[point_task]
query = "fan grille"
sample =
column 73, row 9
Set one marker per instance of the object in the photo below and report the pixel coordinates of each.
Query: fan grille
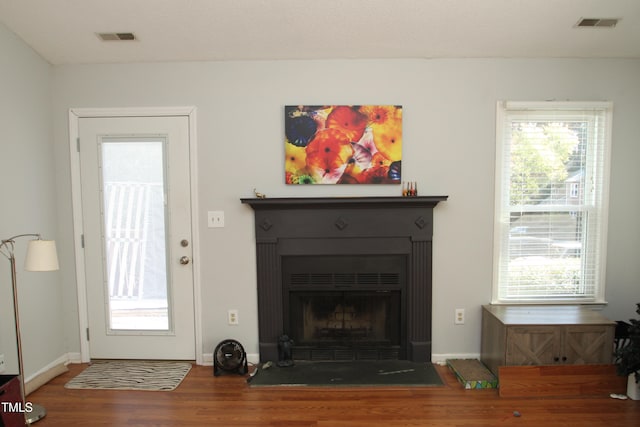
column 230, row 356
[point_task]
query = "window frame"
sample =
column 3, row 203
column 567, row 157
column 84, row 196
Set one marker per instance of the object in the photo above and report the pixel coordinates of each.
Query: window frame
column 506, row 110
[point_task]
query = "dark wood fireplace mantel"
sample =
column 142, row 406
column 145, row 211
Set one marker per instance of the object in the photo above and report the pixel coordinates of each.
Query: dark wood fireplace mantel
column 319, row 226
column 331, row 202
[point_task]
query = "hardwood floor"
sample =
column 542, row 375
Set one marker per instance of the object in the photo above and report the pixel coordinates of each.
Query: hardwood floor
column 205, row 400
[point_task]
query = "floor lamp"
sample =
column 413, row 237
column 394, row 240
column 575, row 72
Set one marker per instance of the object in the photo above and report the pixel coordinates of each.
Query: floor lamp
column 41, row 256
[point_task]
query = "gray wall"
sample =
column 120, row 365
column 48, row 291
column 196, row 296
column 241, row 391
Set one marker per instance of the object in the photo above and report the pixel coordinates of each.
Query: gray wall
column 27, row 204
column 449, row 139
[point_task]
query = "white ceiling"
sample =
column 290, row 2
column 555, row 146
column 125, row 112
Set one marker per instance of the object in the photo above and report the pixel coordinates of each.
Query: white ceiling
column 64, row 31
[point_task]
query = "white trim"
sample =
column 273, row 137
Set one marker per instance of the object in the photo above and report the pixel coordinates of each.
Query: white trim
column 76, row 203
column 497, row 206
column 195, row 234
column 62, row 360
column 73, row 358
column 557, row 105
column 504, row 109
column 75, row 114
column 604, row 213
column 207, row 359
column 441, row 359
column 133, row 112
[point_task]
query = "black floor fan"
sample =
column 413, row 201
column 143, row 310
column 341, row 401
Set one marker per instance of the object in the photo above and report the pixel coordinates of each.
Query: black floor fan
column 229, row 357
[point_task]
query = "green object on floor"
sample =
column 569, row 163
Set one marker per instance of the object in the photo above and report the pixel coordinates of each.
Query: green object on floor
column 472, row 373
column 357, row 373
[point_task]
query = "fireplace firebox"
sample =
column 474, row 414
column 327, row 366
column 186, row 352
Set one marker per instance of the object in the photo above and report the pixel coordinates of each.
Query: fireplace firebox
column 346, row 278
column 345, row 307
column 345, row 325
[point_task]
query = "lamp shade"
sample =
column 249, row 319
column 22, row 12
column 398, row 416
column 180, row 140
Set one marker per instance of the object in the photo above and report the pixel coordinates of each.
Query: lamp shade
column 41, row 256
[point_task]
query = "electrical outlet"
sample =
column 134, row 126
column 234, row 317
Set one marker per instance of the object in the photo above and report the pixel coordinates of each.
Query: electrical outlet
column 232, row 317
column 2, row 363
column 215, row 219
column 459, row 319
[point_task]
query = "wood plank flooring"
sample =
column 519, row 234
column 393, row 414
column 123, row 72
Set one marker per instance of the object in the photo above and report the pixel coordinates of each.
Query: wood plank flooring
column 205, row 400
column 560, row 381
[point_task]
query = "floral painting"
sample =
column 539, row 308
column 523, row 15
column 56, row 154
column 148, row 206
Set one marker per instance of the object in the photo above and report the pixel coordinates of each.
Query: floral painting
column 343, row 144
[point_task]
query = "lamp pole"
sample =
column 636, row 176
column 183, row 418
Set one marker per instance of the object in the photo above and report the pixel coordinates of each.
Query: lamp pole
column 7, row 248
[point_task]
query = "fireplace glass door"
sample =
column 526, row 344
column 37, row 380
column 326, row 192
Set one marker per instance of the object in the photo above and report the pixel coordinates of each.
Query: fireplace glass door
column 346, row 324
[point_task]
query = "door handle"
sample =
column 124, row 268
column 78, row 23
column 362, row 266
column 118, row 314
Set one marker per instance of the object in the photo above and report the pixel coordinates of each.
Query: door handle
column 184, row 260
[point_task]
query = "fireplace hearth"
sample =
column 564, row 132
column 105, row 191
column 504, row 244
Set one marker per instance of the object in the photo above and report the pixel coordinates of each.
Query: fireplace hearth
column 345, row 278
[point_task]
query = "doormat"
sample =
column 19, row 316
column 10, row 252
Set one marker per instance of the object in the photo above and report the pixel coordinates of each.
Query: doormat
column 360, row 373
column 131, row 375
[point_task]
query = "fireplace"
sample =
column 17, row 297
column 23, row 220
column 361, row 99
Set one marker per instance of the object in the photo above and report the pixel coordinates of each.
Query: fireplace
column 345, row 278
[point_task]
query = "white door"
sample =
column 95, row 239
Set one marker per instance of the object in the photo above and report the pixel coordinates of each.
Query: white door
column 136, row 210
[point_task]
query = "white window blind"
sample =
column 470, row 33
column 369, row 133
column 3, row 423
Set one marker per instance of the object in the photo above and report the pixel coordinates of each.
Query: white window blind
column 551, row 202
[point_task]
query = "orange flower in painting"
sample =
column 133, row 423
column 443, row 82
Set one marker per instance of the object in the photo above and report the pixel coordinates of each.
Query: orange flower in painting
column 289, row 178
column 351, row 173
column 378, row 114
column 347, row 178
column 376, row 175
column 380, row 161
column 388, row 135
column 349, row 121
column 328, row 154
column 295, row 158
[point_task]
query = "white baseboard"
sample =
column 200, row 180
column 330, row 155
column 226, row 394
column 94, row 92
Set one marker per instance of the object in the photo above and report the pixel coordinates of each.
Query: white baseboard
column 207, row 358
column 74, row 358
column 62, row 360
column 46, row 374
column 441, row 359
column 254, row 358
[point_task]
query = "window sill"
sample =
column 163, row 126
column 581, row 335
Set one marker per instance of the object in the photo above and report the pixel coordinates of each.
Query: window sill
column 596, row 305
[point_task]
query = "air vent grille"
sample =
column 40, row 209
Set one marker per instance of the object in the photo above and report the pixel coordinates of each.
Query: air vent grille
column 597, row 22
column 109, row 37
column 344, row 279
column 389, row 279
column 368, row 278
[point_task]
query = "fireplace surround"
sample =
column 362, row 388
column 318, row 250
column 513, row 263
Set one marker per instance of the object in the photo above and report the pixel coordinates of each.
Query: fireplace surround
column 345, row 277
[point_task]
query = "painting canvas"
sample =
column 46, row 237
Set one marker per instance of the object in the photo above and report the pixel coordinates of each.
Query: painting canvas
column 343, row 144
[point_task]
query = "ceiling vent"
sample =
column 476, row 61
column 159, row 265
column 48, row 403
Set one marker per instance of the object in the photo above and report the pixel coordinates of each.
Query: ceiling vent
column 109, row 37
column 597, row 22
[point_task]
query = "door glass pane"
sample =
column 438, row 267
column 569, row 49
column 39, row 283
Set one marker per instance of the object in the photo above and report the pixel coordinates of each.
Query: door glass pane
column 133, row 187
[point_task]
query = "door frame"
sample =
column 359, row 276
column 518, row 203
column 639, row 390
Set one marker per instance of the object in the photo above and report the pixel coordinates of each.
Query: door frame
column 75, row 114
